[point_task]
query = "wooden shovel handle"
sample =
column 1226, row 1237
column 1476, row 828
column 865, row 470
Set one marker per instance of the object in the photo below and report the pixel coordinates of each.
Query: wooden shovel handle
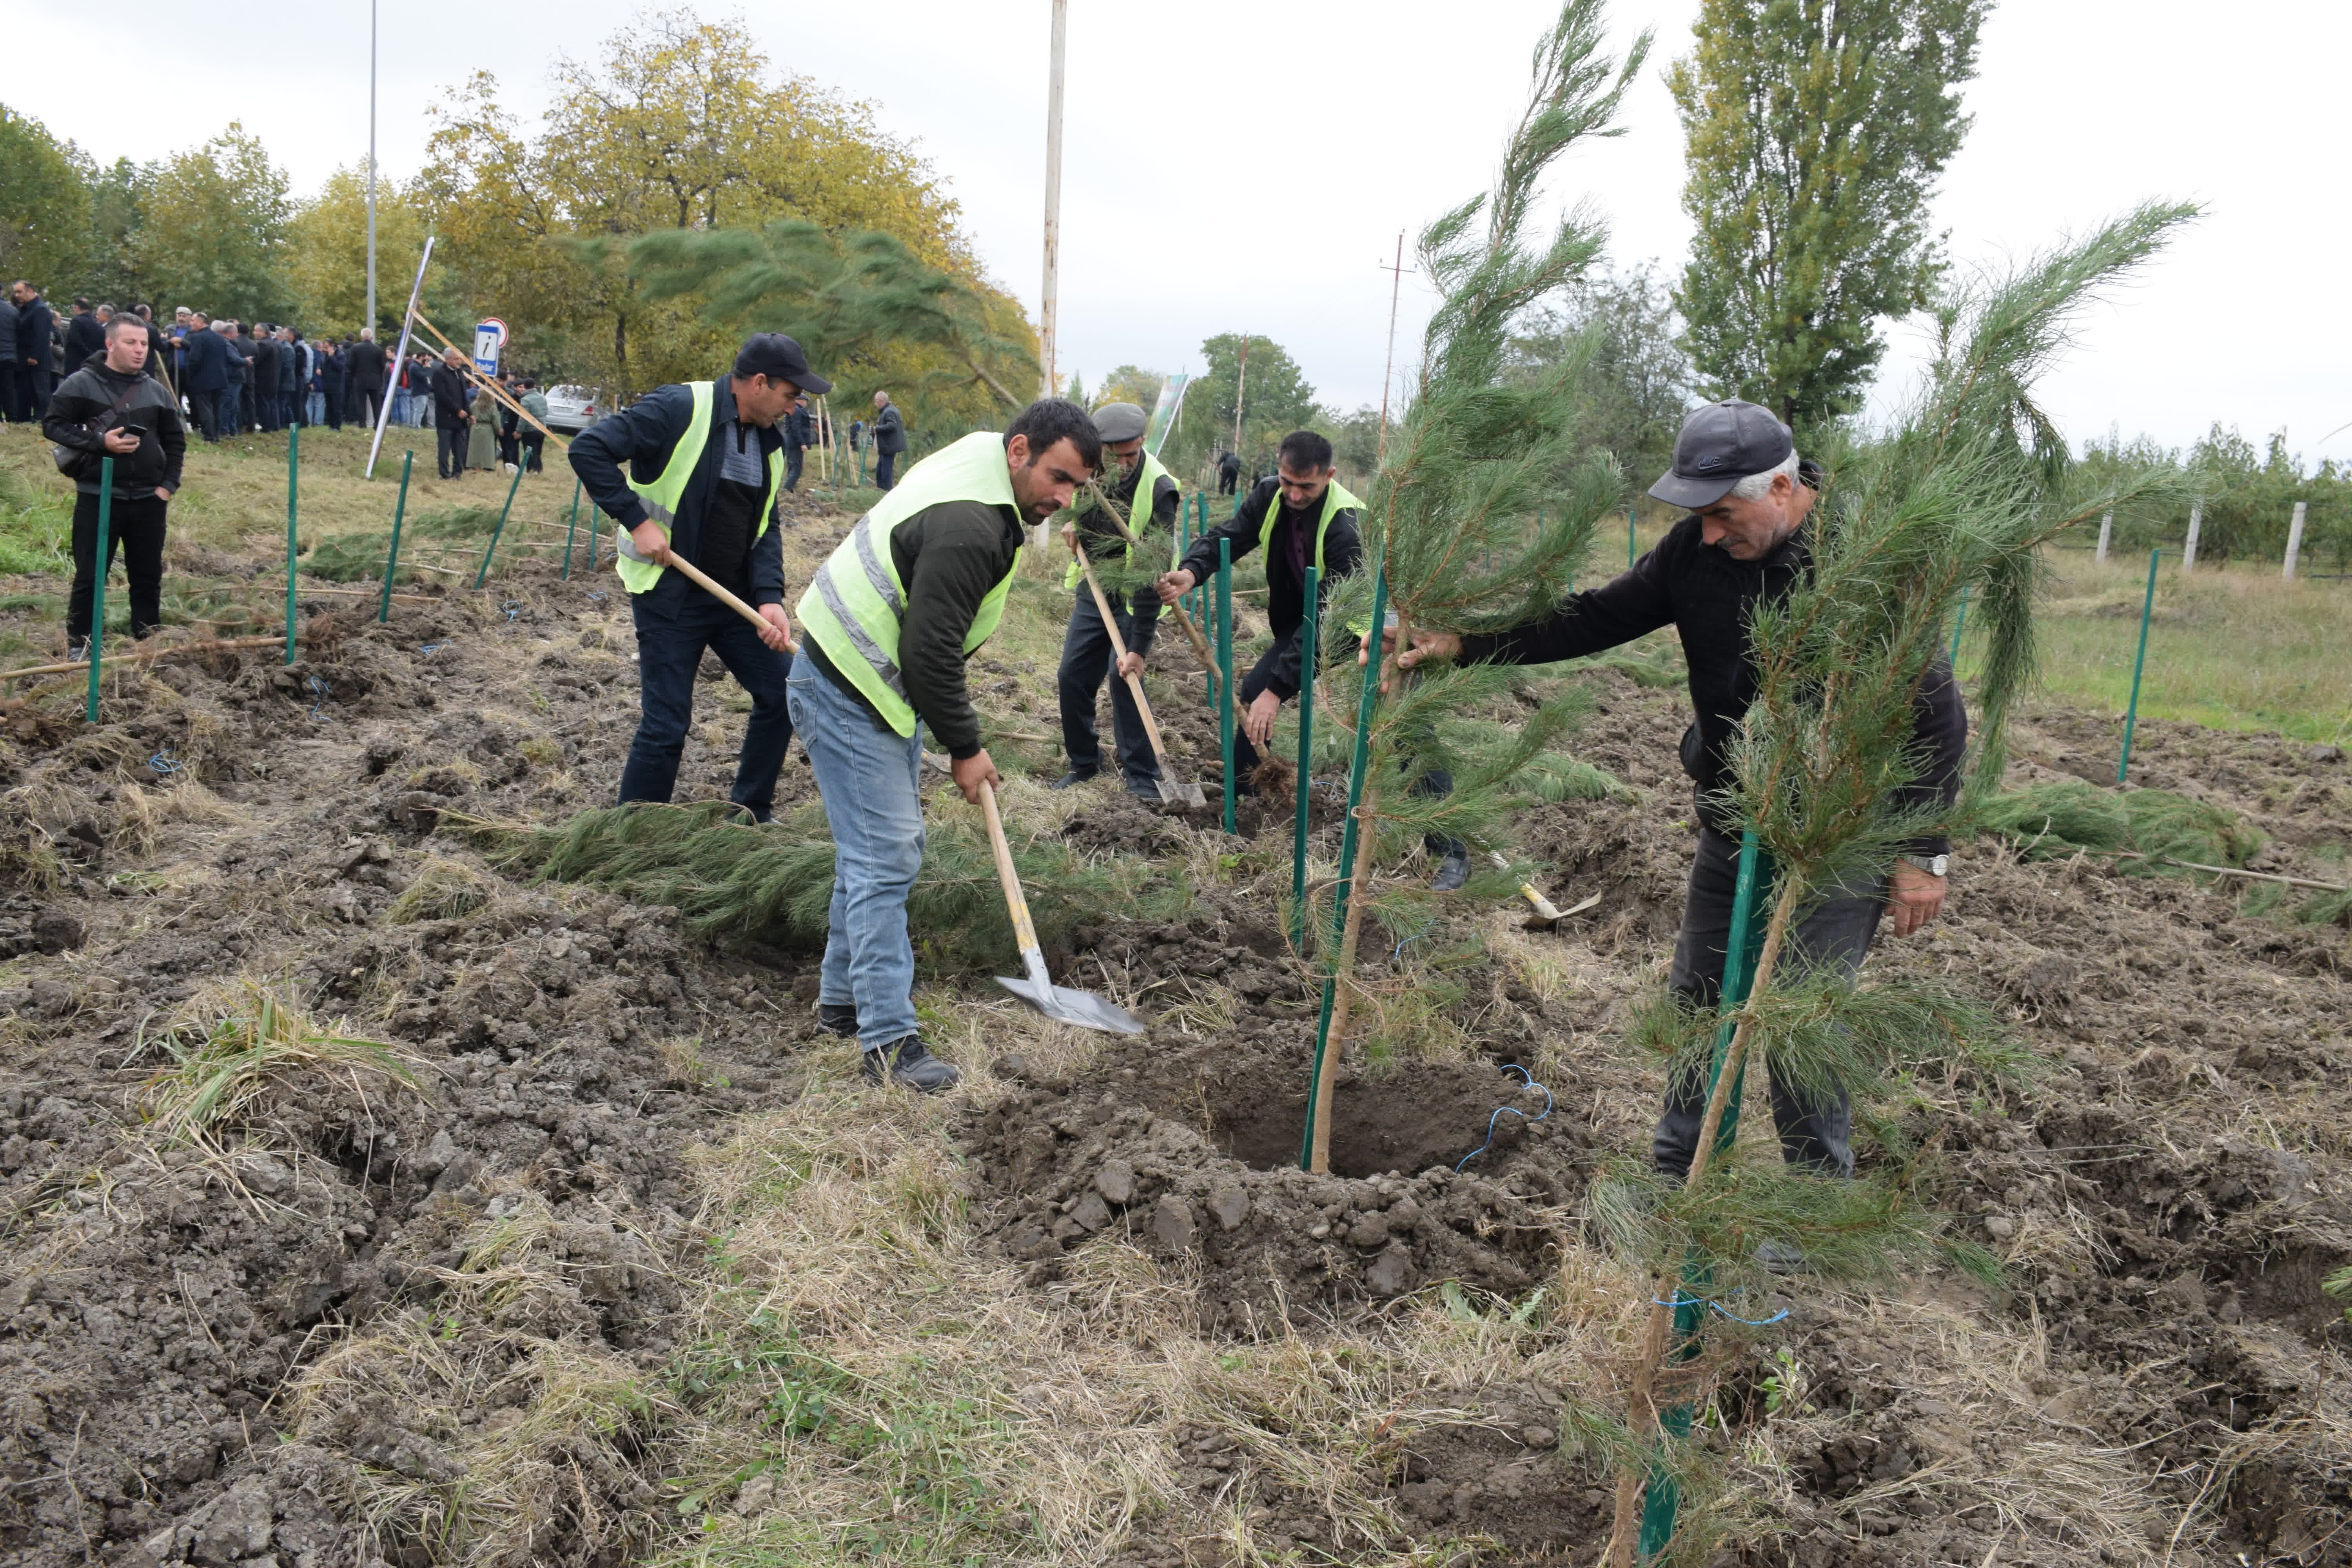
column 1118, row 650
column 696, row 575
column 1023, row 931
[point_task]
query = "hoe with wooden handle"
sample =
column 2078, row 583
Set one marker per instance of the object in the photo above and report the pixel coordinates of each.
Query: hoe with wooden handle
column 1172, row 790
column 1082, row 1008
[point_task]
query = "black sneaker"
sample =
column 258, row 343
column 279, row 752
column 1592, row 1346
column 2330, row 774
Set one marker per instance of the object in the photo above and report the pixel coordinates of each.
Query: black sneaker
column 839, row 1018
column 1453, row 872
column 911, row 1066
column 1074, row 778
column 76, row 651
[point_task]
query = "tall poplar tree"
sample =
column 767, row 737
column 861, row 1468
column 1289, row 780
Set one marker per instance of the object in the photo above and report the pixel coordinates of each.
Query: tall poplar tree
column 1815, row 130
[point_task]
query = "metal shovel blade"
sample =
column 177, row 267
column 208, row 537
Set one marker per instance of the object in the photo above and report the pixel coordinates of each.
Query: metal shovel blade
column 1082, row 1009
column 1183, row 793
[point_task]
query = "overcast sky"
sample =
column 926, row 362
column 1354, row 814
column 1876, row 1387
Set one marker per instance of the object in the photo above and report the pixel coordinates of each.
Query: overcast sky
column 1238, row 166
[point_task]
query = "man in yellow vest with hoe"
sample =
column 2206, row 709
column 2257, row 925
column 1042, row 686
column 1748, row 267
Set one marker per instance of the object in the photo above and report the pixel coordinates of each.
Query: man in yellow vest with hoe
column 888, row 622
column 705, row 462
column 1086, row 647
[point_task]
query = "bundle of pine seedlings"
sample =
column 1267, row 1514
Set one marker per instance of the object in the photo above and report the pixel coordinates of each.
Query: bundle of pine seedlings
column 1960, row 495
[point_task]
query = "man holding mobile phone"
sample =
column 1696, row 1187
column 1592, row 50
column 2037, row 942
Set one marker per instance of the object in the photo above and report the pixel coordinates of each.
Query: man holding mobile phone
column 111, row 407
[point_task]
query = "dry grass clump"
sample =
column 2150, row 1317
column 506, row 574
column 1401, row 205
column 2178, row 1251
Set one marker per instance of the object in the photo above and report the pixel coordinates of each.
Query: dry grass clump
column 234, row 1048
column 442, row 890
column 495, row 1427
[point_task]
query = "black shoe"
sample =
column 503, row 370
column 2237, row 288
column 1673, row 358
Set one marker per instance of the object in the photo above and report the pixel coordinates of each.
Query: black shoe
column 911, row 1066
column 1074, row 778
column 76, row 651
column 1452, row 872
column 839, row 1018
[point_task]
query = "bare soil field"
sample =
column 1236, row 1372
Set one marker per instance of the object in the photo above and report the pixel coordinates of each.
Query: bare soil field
column 601, row 1254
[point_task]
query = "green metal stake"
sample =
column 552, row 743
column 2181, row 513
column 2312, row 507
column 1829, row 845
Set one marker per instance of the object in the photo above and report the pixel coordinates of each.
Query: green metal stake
column 1357, row 766
column 1960, row 624
column 392, row 557
column 1306, row 758
column 1225, row 667
column 1751, row 908
column 98, row 581
column 592, row 537
column 483, row 570
column 569, row 528
column 293, row 473
column 2131, row 713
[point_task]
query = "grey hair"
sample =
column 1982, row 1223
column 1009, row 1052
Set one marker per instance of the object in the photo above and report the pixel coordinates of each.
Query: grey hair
column 1754, row 487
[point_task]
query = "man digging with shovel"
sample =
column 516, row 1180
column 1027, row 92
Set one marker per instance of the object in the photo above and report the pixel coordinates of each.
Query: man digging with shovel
column 887, row 623
column 1087, row 645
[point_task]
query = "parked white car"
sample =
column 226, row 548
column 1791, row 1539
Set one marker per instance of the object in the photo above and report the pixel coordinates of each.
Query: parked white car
column 573, row 409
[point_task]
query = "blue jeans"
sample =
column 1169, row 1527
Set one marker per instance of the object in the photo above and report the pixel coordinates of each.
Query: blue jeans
column 868, row 776
column 669, row 652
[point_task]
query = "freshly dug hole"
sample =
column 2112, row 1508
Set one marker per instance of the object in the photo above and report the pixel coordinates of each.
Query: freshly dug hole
column 1405, row 1120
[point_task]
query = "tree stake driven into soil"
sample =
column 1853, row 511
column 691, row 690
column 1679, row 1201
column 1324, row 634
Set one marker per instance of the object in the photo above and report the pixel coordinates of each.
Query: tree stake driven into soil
column 1478, row 519
column 1959, row 496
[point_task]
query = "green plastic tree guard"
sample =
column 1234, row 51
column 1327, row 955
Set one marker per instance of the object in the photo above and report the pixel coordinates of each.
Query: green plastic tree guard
column 293, row 488
column 97, row 582
column 2139, row 663
column 1357, row 765
column 482, row 570
column 1751, row 910
column 392, row 556
column 570, row 528
column 1225, row 667
column 1306, row 762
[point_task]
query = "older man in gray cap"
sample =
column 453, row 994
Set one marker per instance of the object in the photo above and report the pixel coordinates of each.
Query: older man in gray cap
column 1736, row 469
column 1086, row 647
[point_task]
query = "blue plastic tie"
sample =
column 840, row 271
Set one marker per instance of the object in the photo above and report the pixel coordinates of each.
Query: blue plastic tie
column 319, row 690
column 513, row 607
column 1682, row 1300
column 430, row 649
column 1495, row 1119
column 595, row 596
column 165, row 764
column 1398, row 952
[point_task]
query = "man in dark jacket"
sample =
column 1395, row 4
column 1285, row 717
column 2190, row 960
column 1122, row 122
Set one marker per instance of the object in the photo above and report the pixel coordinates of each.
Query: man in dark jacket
column 7, row 356
column 363, row 363
column 451, row 419
column 1735, row 467
column 37, row 351
column 798, row 439
column 330, row 368
column 1304, row 518
column 1229, row 473
column 240, row 365
column 692, row 472
column 112, row 408
column 85, row 334
column 269, row 362
column 210, row 380
column 1147, row 495
column 889, row 440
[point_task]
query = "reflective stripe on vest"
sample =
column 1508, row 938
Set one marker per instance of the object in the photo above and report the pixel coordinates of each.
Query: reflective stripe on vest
column 1336, row 500
column 856, row 606
column 1146, row 484
column 660, row 498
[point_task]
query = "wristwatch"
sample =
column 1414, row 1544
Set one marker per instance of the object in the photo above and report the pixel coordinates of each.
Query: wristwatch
column 1934, row 865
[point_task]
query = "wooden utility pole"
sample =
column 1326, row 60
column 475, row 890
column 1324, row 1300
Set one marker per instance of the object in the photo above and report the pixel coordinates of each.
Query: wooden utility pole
column 1241, row 383
column 1049, row 386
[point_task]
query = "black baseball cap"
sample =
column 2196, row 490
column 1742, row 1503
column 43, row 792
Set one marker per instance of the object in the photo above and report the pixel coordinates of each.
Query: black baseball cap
column 778, row 358
column 1718, row 446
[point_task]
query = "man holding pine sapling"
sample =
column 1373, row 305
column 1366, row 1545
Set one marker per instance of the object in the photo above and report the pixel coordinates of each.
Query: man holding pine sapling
column 1743, row 541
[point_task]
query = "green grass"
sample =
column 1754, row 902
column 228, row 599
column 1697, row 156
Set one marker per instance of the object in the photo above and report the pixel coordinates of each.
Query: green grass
column 2233, row 648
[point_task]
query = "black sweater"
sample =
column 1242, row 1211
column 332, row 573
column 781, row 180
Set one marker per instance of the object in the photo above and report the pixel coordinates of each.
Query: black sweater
column 1287, row 557
column 1104, row 542
column 1706, row 596
column 949, row 556
column 148, row 407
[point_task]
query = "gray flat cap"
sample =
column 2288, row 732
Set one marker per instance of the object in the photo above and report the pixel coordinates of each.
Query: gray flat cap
column 1120, row 421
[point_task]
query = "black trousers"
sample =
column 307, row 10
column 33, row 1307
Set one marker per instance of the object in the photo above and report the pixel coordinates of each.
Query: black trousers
column 794, row 456
column 33, row 389
column 1817, row 1130
column 1225, row 483
column 509, row 447
column 7, row 388
column 1086, row 658
column 886, row 466
column 449, row 456
column 531, row 443
column 669, row 655
column 133, row 528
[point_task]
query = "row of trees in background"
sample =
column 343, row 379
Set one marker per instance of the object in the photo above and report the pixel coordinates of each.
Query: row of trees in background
column 2245, row 498
column 678, row 127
